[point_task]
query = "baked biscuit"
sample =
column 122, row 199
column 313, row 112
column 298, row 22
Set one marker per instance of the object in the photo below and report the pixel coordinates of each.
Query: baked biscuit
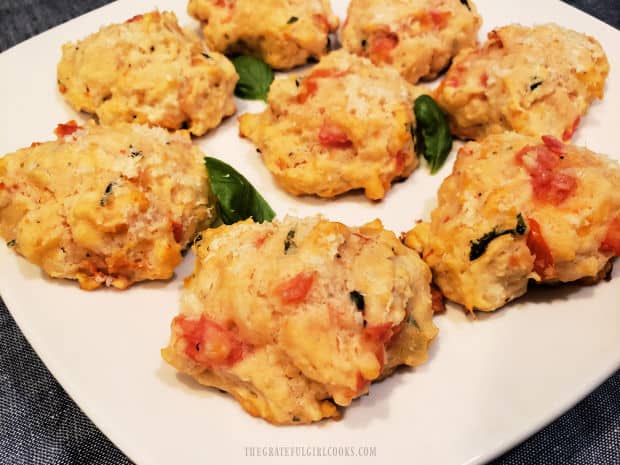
column 531, row 80
column 148, row 70
column 283, row 33
column 417, row 37
column 105, row 205
column 517, row 208
column 297, row 318
column 345, row 125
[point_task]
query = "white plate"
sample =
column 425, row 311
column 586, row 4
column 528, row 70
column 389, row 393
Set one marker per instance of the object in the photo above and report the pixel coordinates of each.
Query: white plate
column 488, row 383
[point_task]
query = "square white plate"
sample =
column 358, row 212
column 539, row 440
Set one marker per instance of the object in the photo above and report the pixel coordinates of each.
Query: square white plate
column 488, row 383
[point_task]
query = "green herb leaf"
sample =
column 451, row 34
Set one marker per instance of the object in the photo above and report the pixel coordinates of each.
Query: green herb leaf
column 358, row 300
column 292, row 19
column 535, row 85
column 479, row 246
column 255, row 78
column 464, row 2
column 289, row 241
column 237, row 198
column 433, row 132
column 103, row 201
column 521, row 226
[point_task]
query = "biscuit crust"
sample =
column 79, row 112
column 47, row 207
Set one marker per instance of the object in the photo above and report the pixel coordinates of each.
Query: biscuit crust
column 105, row 205
column 568, row 198
column 417, row 37
column 283, row 33
column 514, row 83
column 345, row 125
column 148, row 70
column 296, row 318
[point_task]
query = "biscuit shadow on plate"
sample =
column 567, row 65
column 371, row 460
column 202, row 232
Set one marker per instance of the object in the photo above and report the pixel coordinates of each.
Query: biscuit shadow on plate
column 363, row 410
column 543, row 294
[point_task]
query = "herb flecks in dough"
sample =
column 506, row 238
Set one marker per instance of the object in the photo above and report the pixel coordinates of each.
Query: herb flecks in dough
column 479, row 246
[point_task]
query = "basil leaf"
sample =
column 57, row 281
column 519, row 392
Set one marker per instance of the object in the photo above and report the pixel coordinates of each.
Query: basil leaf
column 236, row 197
column 358, row 300
column 433, row 132
column 255, row 78
column 479, row 246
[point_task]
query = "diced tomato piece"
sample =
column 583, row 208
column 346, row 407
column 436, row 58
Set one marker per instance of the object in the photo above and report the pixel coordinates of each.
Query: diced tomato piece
column 65, row 129
column 361, row 383
column 380, row 333
column 484, row 79
column 432, row 19
column 611, row 242
column 309, row 90
column 133, row 19
column 554, row 145
column 333, row 136
column 569, row 132
column 552, row 187
column 2, row 186
column 549, row 183
column 296, row 289
column 260, row 240
column 309, row 85
column 439, row 18
column 437, row 302
column 453, row 81
column 521, row 153
column 380, row 336
column 325, row 73
column 177, row 231
column 399, row 161
column 381, row 45
column 35, row 144
column 543, row 259
column 209, row 343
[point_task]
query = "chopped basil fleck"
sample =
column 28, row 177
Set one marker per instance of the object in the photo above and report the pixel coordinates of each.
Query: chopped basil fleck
column 108, row 190
column 11, row 243
column 479, row 247
column 289, row 241
column 364, row 43
column 206, row 55
column 358, row 300
column 292, row 19
column 536, row 85
column 134, row 153
column 464, row 2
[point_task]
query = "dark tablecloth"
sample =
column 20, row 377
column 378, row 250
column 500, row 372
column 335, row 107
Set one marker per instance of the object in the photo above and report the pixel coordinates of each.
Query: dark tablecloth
column 40, row 424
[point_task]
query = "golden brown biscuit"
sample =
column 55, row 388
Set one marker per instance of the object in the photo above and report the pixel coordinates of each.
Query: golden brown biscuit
column 417, row 37
column 298, row 317
column 283, row 33
column 531, row 80
column 148, row 70
column 517, row 208
column 104, row 205
column 345, row 125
